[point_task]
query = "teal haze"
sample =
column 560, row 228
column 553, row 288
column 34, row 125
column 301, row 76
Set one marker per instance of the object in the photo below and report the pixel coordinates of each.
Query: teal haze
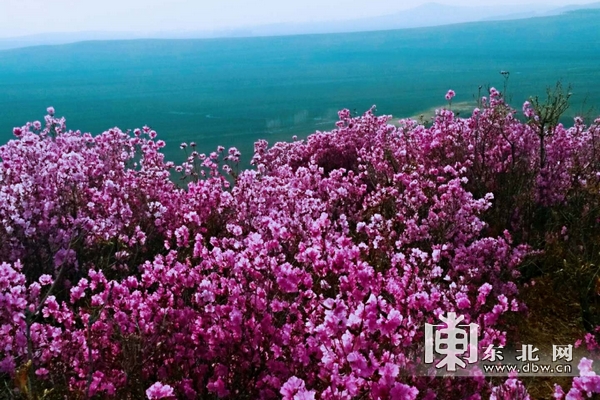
column 237, row 90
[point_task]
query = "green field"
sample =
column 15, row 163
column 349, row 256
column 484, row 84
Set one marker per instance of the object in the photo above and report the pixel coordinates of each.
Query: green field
column 234, row 91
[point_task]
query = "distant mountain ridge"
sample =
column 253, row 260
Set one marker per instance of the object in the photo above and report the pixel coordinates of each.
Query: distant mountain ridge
column 429, row 14
column 425, row 15
column 542, row 12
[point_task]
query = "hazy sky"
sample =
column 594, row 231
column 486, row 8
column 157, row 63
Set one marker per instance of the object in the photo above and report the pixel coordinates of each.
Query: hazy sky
column 24, row 17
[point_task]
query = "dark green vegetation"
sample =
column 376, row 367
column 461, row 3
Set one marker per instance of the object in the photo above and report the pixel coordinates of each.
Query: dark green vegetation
column 234, row 91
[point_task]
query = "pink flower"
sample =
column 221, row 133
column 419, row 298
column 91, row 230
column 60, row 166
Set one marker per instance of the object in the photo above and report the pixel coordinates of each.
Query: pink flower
column 585, row 367
column 45, row 280
column 401, row 391
column 305, row 395
column 218, row 387
column 159, row 391
column 462, row 301
column 528, row 110
column 292, row 386
column 450, row 95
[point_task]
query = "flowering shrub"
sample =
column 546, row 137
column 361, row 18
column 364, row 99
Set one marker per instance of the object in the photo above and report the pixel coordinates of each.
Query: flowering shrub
column 72, row 199
column 310, row 276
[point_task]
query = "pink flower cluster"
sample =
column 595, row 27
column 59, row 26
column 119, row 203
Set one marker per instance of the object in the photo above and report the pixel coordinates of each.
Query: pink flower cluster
column 584, row 386
column 310, row 276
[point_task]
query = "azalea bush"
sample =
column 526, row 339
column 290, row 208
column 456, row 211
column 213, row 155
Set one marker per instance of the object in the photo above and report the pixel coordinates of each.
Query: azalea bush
column 309, row 276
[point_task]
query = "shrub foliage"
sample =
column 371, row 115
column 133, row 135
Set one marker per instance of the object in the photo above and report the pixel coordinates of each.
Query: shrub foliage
column 310, row 276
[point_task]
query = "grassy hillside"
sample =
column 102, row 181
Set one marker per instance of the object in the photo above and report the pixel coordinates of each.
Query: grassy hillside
column 234, row 91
